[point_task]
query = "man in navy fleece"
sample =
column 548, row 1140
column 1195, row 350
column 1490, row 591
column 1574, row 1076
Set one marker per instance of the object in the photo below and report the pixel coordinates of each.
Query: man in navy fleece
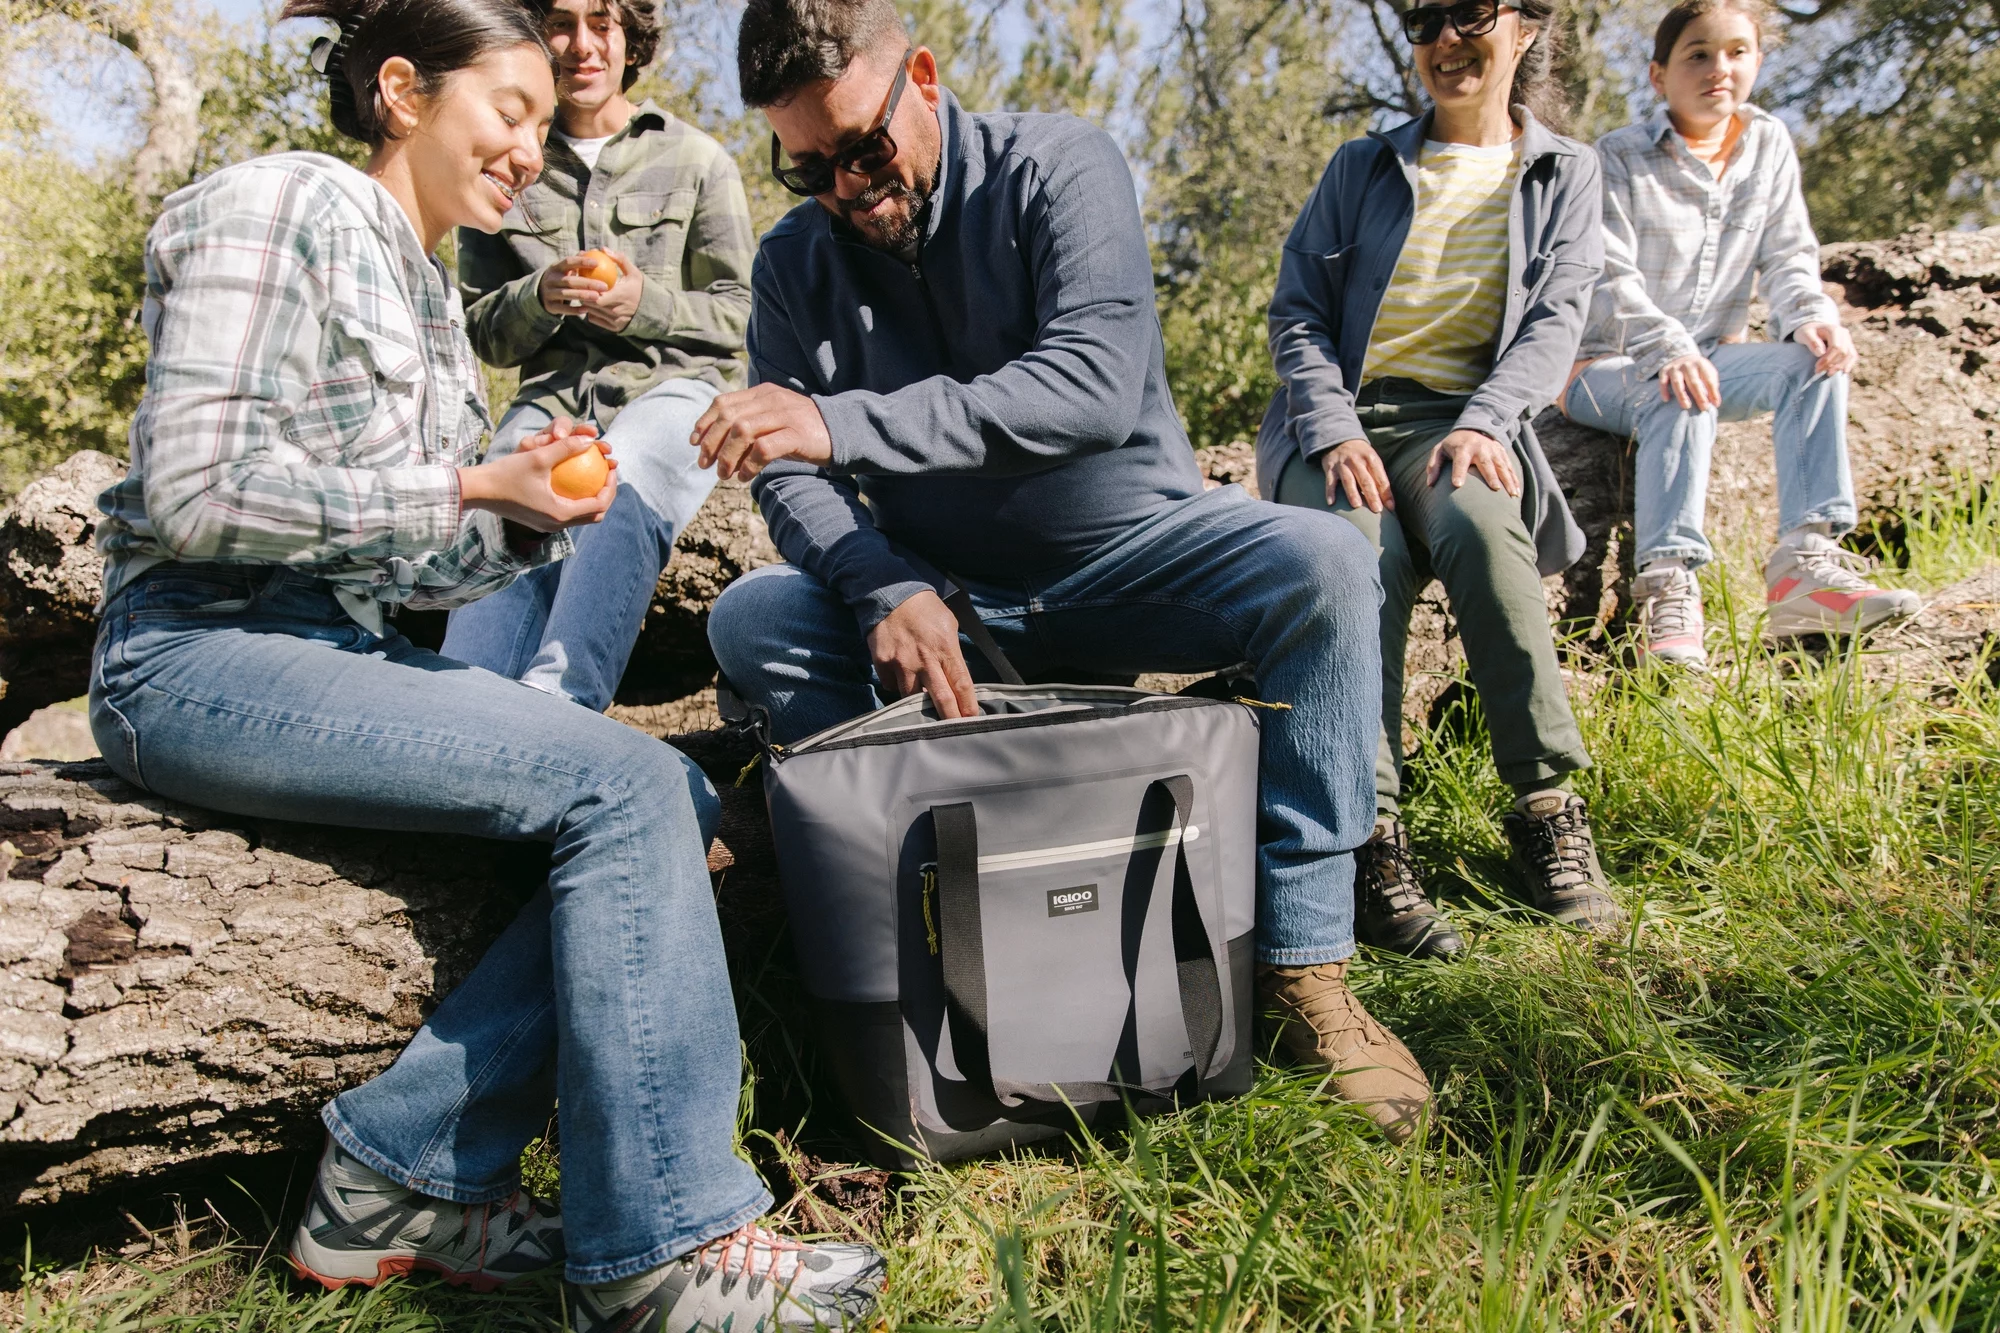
column 958, row 360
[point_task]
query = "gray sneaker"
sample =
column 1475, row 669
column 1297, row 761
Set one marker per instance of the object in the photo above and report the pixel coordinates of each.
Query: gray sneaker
column 361, row 1227
column 749, row 1281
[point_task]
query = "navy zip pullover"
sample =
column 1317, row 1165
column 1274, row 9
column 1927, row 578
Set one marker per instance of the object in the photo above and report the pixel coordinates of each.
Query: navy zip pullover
column 1001, row 404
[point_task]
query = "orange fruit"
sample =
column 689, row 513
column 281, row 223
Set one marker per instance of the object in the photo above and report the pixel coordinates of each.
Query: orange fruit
column 580, row 476
column 596, row 264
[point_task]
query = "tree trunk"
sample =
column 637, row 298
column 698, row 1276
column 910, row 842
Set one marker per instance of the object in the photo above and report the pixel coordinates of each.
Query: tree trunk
column 164, row 44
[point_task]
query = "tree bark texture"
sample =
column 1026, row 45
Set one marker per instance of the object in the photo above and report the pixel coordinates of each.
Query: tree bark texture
column 178, row 985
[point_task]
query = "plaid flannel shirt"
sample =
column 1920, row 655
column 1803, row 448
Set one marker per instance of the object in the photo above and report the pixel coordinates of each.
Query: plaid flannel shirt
column 666, row 196
column 1684, row 252
column 309, row 397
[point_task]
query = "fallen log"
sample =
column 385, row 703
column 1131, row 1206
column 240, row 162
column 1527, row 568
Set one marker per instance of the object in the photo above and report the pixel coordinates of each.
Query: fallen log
column 51, row 577
column 178, row 986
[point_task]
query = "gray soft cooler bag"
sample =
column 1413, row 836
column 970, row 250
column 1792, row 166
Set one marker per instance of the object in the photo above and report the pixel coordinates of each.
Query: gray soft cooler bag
column 1048, row 906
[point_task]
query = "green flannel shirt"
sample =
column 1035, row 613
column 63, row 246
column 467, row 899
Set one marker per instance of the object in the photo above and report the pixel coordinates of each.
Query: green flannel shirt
column 666, row 196
column 309, row 397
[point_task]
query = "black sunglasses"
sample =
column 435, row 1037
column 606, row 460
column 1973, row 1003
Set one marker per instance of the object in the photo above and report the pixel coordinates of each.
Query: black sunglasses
column 1424, row 24
column 864, row 157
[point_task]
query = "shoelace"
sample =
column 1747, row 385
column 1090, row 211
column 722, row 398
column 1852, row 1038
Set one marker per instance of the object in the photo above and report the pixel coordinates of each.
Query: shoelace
column 519, row 1202
column 1834, row 568
column 1392, row 875
column 1334, row 1009
column 1559, row 846
column 1672, row 605
column 716, row 1255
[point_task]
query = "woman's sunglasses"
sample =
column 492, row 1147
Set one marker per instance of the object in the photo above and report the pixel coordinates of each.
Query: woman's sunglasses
column 1424, row 24
column 864, row 157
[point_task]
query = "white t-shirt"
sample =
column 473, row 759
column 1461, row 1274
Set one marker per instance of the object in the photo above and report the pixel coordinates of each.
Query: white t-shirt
column 587, row 149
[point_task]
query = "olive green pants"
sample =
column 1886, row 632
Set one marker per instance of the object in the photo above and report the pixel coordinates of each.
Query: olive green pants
column 1473, row 540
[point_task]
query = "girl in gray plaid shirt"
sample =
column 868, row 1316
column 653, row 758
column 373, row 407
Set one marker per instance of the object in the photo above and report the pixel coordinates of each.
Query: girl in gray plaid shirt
column 1701, row 208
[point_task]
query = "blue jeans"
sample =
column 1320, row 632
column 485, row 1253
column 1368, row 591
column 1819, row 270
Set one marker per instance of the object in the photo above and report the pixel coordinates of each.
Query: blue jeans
column 248, row 689
column 1670, row 487
column 568, row 628
column 1205, row 583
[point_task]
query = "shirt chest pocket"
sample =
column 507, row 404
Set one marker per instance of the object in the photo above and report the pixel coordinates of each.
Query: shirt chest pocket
column 652, row 227
column 1748, row 207
column 367, row 402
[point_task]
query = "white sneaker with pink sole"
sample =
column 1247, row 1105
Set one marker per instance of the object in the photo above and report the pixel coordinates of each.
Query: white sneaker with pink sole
column 1812, row 586
column 1668, row 604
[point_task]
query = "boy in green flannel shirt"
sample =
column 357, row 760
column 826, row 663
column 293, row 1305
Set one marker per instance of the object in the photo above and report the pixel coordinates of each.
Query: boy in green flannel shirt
column 640, row 357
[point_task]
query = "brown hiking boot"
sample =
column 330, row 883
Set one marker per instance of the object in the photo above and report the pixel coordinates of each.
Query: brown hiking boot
column 1391, row 909
column 1323, row 1023
column 1556, row 854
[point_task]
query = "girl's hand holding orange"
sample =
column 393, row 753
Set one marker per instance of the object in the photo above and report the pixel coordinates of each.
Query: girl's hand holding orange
column 521, row 486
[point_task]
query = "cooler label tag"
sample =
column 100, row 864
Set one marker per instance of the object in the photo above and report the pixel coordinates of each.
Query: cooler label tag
column 1068, row 902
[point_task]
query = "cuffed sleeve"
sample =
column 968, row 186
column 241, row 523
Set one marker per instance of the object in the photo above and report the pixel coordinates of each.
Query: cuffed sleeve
column 1788, row 271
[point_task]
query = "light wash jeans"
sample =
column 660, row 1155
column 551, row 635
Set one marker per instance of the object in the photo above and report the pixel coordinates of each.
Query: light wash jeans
column 1205, row 583
column 568, row 628
column 248, row 689
column 1670, row 487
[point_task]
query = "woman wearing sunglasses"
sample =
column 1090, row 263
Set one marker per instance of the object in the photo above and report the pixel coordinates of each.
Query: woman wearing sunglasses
column 1429, row 303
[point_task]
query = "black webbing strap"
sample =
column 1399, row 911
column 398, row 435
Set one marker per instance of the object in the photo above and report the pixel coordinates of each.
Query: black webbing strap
column 962, row 950
column 975, row 629
column 1194, row 950
column 961, row 945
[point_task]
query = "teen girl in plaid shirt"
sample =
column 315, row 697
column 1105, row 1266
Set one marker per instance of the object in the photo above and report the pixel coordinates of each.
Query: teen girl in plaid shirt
column 305, row 461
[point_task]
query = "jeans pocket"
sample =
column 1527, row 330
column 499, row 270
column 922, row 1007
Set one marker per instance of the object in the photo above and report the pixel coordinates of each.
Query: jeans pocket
column 117, row 740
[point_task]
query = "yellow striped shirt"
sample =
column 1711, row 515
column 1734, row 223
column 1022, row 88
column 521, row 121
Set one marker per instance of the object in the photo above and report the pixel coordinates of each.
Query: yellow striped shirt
column 1441, row 315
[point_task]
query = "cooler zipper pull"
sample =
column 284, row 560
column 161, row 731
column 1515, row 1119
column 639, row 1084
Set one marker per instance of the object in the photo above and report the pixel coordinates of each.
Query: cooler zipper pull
column 929, row 871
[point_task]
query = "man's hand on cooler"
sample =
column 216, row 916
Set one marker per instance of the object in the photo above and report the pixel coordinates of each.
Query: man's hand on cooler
column 745, row 432
column 916, row 648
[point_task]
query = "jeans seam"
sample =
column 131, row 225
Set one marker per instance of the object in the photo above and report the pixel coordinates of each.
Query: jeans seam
column 421, row 1172
column 540, row 762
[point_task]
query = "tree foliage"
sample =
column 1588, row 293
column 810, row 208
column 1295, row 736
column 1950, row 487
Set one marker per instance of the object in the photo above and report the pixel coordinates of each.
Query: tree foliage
column 1901, row 99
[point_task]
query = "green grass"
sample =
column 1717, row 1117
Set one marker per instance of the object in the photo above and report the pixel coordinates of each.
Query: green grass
column 1774, row 1105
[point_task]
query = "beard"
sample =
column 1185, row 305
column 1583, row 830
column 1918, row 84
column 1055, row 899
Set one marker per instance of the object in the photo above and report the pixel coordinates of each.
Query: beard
column 900, row 232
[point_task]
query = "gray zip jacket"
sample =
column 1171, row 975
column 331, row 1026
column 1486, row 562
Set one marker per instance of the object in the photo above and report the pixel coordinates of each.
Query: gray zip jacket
column 1338, row 262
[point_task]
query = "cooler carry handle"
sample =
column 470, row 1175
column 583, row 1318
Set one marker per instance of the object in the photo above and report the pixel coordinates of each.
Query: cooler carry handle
column 963, row 950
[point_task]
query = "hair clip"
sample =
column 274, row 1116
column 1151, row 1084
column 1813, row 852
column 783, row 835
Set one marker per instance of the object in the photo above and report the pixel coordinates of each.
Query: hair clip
column 322, row 52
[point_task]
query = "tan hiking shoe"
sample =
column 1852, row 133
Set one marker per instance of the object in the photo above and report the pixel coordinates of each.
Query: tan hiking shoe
column 1324, row 1024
